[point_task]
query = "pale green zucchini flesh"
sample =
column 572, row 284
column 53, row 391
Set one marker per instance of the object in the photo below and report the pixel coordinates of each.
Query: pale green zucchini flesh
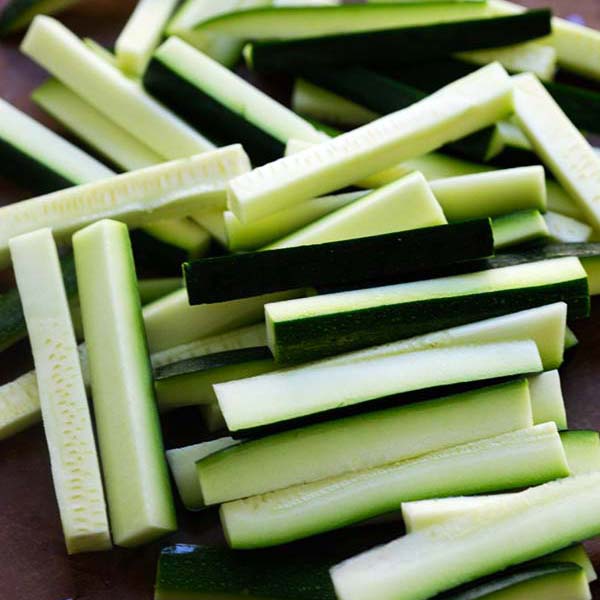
column 138, row 490
column 66, row 415
column 566, row 229
column 519, row 228
column 547, row 403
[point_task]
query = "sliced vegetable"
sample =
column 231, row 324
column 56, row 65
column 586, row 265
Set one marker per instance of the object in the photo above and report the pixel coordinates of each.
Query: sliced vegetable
column 519, row 228
column 475, row 545
column 547, row 403
column 485, row 97
column 507, row 461
column 583, row 450
column 138, row 490
column 400, row 44
column 19, row 405
column 363, row 441
column 17, row 14
column 567, row 230
column 570, row 339
column 221, row 104
column 142, row 34
column 182, row 462
column 299, row 330
column 120, row 99
column 405, row 204
column 66, row 416
column 317, row 391
column 152, row 194
column 190, row 382
column 393, row 256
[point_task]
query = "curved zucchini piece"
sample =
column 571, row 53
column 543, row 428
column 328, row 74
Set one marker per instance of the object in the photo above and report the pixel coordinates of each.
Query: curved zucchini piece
column 138, row 490
column 583, row 450
column 142, row 34
column 519, row 228
column 547, row 402
column 315, row 392
column 182, row 462
column 394, row 256
column 120, row 99
column 190, row 382
column 462, row 108
column 511, row 460
column 298, row 329
column 221, row 104
column 387, row 45
column 64, row 404
column 363, row 441
column 17, row 14
column 566, row 229
column 172, row 189
column 405, row 204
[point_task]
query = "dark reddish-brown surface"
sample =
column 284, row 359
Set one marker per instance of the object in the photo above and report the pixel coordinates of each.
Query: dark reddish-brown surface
column 33, row 563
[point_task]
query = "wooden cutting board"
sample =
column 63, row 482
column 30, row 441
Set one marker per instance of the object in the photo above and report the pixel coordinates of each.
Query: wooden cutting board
column 33, row 562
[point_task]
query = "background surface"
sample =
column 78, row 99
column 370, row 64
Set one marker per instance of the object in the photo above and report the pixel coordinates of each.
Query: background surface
column 33, row 562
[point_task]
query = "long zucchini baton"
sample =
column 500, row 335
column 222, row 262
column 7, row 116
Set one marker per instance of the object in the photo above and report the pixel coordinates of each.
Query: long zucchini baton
column 64, row 405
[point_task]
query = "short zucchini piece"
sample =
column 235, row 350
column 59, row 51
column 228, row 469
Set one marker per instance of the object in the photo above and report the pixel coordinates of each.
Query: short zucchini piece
column 519, row 228
column 390, row 45
column 65, row 411
column 333, row 448
column 119, row 98
column 570, row 339
column 138, row 490
column 394, row 256
column 458, row 110
column 182, row 462
column 19, row 405
column 299, row 330
column 284, row 399
column 511, row 460
column 547, row 402
column 172, row 189
column 142, row 34
column 475, row 546
column 407, row 203
column 221, row 104
column 566, row 229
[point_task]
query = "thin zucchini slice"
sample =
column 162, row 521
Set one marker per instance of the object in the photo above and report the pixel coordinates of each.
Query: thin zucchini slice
column 567, row 230
column 511, row 460
column 519, row 228
column 405, row 204
column 573, row 161
column 182, row 462
column 138, row 490
column 363, row 441
column 491, row 194
column 17, row 14
column 583, row 450
column 394, row 256
column 64, row 405
column 40, row 159
column 172, row 189
column 389, row 45
column 284, row 399
column 300, row 330
column 547, row 403
column 221, row 104
column 91, row 126
column 190, row 382
column 475, row 545
column 142, row 34
column 120, row 99
column 252, row 236
column 462, row 108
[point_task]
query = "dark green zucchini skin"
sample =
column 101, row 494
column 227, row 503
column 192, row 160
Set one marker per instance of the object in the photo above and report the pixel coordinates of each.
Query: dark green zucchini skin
column 389, row 256
column 324, row 335
column 220, row 124
column 406, row 44
column 212, row 361
column 14, row 10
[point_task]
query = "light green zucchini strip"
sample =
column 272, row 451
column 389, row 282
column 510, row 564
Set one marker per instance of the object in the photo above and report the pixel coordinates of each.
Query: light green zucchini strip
column 566, row 229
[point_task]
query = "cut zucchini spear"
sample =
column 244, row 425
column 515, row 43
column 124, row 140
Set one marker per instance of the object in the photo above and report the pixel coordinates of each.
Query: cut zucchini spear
column 393, row 256
column 142, row 34
column 300, row 330
column 567, row 230
column 135, row 471
column 120, row 99
column 319, row 391
column 511, row 460
column 547, row 403
column 475, row 546
column 221, row 104
column 462, row 108
column 19, row 405
column 363, row 441
column 389, row 45
column 519, row 228
column 172, row 189
column 66, row 416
